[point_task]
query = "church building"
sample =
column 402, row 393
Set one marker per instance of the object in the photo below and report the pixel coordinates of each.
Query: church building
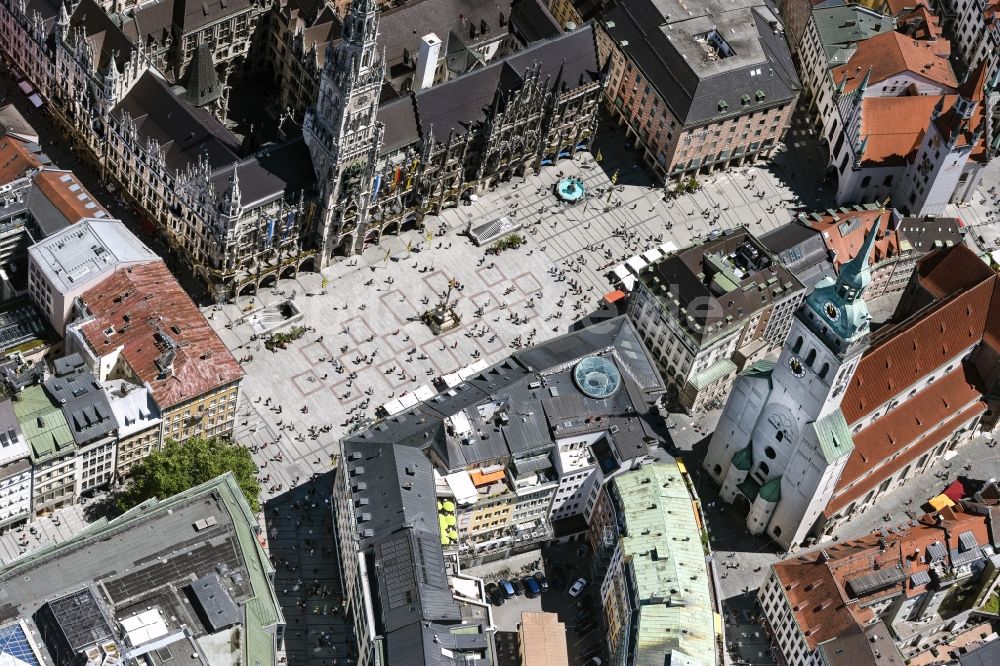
column 846, row 415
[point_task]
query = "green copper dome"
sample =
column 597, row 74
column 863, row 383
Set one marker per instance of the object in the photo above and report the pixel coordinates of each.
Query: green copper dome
column 838, row 302
column 743, row 458
column 771, row 491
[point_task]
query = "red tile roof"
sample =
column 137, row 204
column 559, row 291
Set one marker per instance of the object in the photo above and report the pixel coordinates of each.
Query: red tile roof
column 57, row 186
column 914, row 348
column 908, row 424
column 892, row 53
column 817, row 584
column 895, row 125
column 15, row 159
column 846, row 247
column 144, row 305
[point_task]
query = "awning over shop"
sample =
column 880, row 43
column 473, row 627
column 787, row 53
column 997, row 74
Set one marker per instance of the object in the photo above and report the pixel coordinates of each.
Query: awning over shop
column 940, row 502
column 486, row 478
column 461, row 486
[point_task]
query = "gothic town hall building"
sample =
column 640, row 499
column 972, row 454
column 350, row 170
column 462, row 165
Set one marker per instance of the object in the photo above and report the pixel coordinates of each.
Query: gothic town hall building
column 369, row 161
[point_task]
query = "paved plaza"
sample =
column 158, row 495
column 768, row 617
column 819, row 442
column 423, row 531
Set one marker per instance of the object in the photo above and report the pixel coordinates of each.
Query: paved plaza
column 366, row 324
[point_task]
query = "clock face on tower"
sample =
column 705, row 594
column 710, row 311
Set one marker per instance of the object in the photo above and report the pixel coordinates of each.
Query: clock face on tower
column 832, row 311
column 795, row 365
column 361, row 102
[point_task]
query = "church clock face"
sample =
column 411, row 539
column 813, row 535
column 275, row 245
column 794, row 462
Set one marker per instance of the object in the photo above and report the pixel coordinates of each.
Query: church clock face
column 361, row 102
column 832, row 311
column 795, row 365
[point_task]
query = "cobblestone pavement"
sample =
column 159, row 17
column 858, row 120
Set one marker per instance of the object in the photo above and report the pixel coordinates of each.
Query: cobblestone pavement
column 366, row 322
column 53, row 529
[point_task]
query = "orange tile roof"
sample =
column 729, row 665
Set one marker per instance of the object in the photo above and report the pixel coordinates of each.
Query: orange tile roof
column 846, row 247
column 817, row 584
column 892, row 53
column 485, row 478
column 905, row 424
column 15, row 159
column 144, row 305
column 65, row 191
column 902, row 354
column 895, row 125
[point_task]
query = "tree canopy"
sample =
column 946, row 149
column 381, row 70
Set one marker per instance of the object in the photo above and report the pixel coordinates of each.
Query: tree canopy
column 180, row 466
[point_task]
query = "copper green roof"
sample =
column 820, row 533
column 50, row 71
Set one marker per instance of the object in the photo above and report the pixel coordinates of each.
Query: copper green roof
column 760, row 369
column 662, row 545
column 43, row 424
column 834, row 436
column 713, row 373
column 771, row 491
column 749, row 488
column 743, row 458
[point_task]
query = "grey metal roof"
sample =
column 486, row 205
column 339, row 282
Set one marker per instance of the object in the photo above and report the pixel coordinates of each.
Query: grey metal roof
column 83, row 401
column 532, row 464
column 104, row 34
column 275, row 171
column 400, row 119
column 960, row 557
column 184, row 132
column 202, row 85
column 876, row 580
column 931, row 233
column 460, row 103
column 216, row 605
column 841, row 27
column 393, row 490
column 985, row 655
column 531, row 21
column 802, row 251
column 659, row 36
column 920, row 578
column 967, row 541
column 936, row 551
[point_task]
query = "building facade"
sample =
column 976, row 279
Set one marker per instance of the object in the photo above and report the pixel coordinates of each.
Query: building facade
column 241, row 222
column 710, row 310
column 839, row 420
column 15, row 470
column 713, row 86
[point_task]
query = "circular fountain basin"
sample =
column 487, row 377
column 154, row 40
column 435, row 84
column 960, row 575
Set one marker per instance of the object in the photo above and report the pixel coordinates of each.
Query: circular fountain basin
column 570, row 189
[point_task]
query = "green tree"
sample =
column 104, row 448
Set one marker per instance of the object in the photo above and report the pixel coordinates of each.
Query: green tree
column 180, row 466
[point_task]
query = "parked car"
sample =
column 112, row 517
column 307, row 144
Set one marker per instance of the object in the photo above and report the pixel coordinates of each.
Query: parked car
column 494, row 594
column 592, row 651
column 578, row 587
column 531, row 587
column 542, row 582
column 518, row 588
column 508, row 590
column 596, row 661
column 584, row 628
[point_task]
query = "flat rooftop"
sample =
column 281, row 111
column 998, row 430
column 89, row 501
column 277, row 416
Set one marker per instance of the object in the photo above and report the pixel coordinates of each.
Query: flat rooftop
column 84, row 252
column 147, row 559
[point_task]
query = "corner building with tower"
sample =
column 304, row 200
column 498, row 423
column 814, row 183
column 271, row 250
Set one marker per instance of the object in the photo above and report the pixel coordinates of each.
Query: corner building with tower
column 844, row 415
